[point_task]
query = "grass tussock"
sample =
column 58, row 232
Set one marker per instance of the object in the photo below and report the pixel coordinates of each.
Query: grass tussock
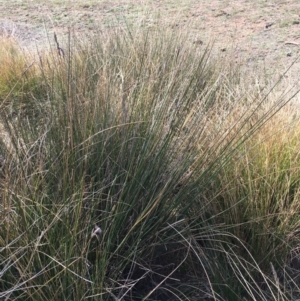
column 140, row 173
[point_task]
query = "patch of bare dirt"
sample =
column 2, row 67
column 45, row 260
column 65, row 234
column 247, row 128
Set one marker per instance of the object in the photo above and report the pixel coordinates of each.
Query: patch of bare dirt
column 260, row 34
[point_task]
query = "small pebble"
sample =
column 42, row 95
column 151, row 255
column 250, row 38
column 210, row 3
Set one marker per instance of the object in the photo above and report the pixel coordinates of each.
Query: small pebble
column 269, row 24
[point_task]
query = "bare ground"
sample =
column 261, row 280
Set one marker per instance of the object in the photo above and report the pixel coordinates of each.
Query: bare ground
column 260, row 34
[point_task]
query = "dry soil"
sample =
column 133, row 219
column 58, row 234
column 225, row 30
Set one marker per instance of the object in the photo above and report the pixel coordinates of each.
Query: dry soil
column 263, row 34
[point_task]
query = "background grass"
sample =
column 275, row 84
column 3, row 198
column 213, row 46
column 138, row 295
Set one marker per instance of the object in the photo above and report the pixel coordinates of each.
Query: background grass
column 135, row 169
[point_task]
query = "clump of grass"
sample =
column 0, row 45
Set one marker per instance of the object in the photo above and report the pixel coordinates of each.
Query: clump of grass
column 120, row 187
column 256, row 195
column 20, row 79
